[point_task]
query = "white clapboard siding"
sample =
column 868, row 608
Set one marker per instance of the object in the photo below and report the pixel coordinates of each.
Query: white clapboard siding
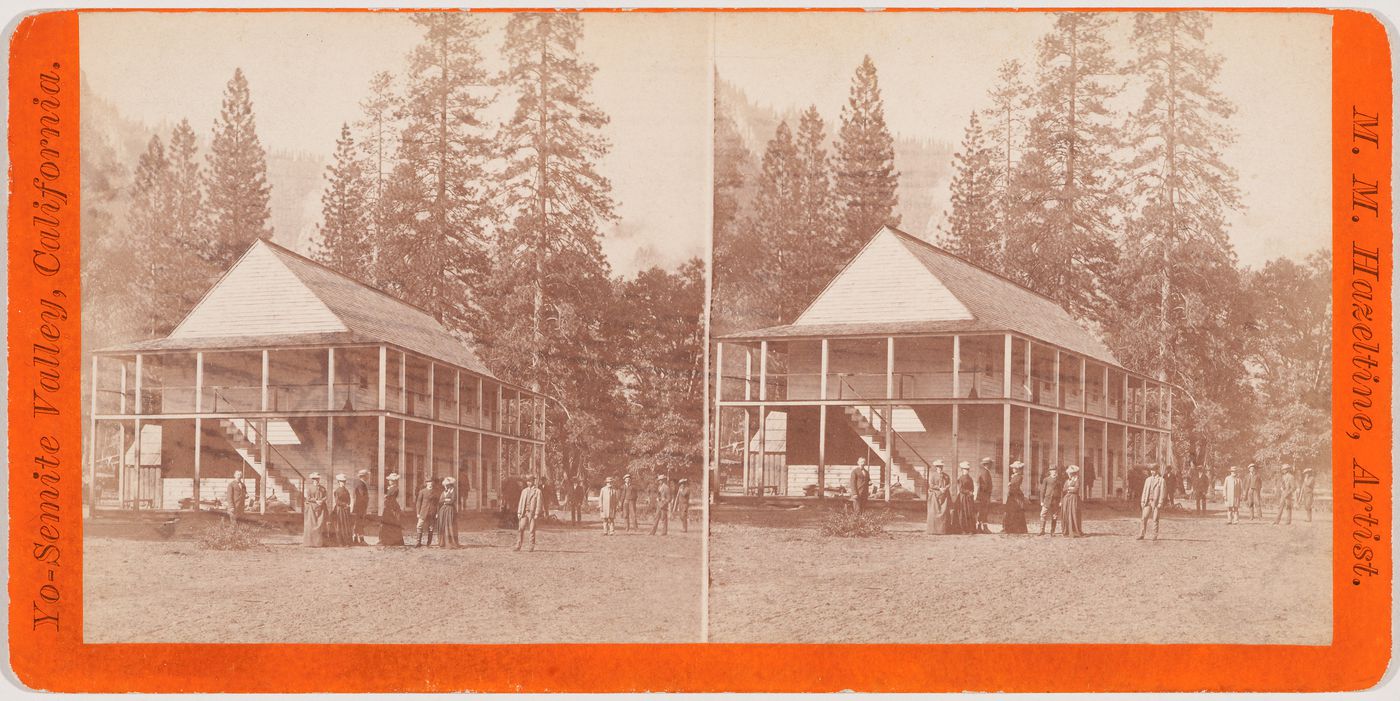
column 259, row 296
column 885, row 283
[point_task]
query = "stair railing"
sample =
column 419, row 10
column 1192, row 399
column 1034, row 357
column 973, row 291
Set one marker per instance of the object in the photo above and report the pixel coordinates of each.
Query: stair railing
column 296, row 489
column 888, row 421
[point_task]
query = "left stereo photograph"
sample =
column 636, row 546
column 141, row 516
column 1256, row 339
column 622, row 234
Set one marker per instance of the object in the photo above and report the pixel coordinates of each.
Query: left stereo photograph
column 393, row 326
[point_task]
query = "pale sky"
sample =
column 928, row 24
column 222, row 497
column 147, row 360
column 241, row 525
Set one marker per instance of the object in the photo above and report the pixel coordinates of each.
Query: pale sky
column 308, row 72
column 935, row 68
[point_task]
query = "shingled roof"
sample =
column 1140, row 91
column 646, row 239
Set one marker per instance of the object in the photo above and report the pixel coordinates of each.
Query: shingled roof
column 899, row 284
column 274, row 297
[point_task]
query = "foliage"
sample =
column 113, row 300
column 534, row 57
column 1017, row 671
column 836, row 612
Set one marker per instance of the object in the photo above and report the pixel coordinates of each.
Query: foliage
column 227, row 536
column 238, row 193
column 345, row 215
column 973, row 204
column 866, row 182
column 845, row 523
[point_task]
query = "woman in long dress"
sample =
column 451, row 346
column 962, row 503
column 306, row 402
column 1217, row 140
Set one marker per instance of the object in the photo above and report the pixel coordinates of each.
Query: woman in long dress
column 340, row 513
column 1069, row 504
column 938, row 500
column 314, row 513
column 964, row 518
column 391, row 521
column 1013, row 520
column 447, row 514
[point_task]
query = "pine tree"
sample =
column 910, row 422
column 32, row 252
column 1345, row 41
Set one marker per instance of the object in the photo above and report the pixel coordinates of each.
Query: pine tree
column 1060, row 239
column 813, row 262
column 777, row 216
column 189, row 219
column 866, row 183
column 971, row 228
column 1006, row 127
column 377, row 144
column 436, row 206
column 551, row 284
column 237, row 188
column 737, row 300
column 150, row 229
column 344, row 237
column 1178, row 279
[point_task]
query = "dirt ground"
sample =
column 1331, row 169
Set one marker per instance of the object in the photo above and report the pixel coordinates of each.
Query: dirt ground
column 775, row 578
column 578, row 586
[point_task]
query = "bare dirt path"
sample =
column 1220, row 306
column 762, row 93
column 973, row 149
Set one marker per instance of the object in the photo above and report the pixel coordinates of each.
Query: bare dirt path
column 775, row 578
column 577, row 587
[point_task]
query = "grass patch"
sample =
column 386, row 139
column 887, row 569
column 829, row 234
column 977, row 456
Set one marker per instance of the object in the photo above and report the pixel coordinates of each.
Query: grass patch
column 848, row 524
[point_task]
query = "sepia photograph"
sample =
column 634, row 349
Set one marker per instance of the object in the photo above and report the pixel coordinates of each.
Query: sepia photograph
column 393, row 326
column 1021, row 328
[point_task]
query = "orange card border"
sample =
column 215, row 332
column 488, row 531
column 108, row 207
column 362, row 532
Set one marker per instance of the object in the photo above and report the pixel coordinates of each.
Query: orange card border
column 45, row 500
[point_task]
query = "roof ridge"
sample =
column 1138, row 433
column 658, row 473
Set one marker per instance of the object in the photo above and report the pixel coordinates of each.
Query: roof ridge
column 305, row 259
column 939, row 249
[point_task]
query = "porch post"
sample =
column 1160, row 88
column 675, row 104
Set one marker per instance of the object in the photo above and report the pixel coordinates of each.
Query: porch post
column 480, row 405
column 480, row 472
column 403, row 393
column 889, row 367
column 330, row 450
column 383, row 397
column 379, row 464
column 432, row 466
column 457, row 462
column 1059, row 398
column 138, row 409
column 748, row 459
column 762, row 416
column 957, row 374
column 1030, row 394
column 403, row 455
column 92, row 443
column 1026, row 446
column 1079, row 454
column 1104, row 469
column 198, row 423
column 1055, row 438
column 888, row 473
column 1168, row 434
column 264, row 383
column 1105, row 396
column 457, row 400
column 121, row 464
column 1083, row 386
column 330, row 379
column 432, row 396
column 262, row 454
column 821, row 421
column 1006, row 370
column 955, row 437
column 1006, row 437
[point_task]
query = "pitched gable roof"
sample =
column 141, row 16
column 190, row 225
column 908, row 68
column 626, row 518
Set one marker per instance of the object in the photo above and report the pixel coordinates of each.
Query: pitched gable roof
column 894, row 297
column 273, row 296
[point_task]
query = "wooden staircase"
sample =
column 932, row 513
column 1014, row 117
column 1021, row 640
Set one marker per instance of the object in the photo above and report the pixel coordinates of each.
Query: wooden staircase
column 903, row 460
column 244, row 436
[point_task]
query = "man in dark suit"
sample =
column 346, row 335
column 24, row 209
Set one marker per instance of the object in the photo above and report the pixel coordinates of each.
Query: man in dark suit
column 359, row 506
column 663, row 506
column 1253, row 492
column 1051, row 491
column 629, row 503
column 236, row 496
column 860, row 485
column 578, row 494
column 982, row 494
column 427, row 506
column 1286, row 489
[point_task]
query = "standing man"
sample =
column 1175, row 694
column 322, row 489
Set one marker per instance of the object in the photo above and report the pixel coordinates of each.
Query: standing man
column 526, row 512
column 578, row 494
column 1253, row 488
column 1088, row 476
column 1200, row 487
column 359, row 506
column 683, row 503
column 607, row 505
column 1287, row 489
column 1050, row 496
column 1234, row 489
column 982, row 494
column 427, row 507
column 663, row 506
column 860, row 485
column 1305, row 492
column 1153, row 491
column 236, row 496
column 629, row 502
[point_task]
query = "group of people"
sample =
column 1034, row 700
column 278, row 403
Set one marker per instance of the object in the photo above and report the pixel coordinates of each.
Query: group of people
column 1247, row 491
column 339, row 516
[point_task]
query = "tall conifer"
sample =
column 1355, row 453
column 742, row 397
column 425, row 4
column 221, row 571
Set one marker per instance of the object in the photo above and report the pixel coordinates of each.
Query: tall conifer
column 344, row 237
column 237, row 188
column 866, row 183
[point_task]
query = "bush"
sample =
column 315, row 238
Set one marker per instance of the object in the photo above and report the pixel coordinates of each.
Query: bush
column 848, row 524
column 226, row 536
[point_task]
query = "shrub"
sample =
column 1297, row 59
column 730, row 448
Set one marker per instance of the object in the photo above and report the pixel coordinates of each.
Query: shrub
column 226, row 536
column 848, row 524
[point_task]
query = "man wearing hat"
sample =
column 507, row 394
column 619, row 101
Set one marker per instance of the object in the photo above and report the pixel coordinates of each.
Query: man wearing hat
column 1287, row 489
column 427, row 506
column 663, row 505
column 314, row 513
column 1154, row 490
column 578, row 494
column 359, row 506
column 982, row 494
column 607, row 505
column 526, row 512
column 629, row 502
column 236, row 497
column 1305, row 492
column 1253, row 489
column 391, row 516
column 860, row 485
column 1050, row 495
column 1233, row 493
column 682, row 503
